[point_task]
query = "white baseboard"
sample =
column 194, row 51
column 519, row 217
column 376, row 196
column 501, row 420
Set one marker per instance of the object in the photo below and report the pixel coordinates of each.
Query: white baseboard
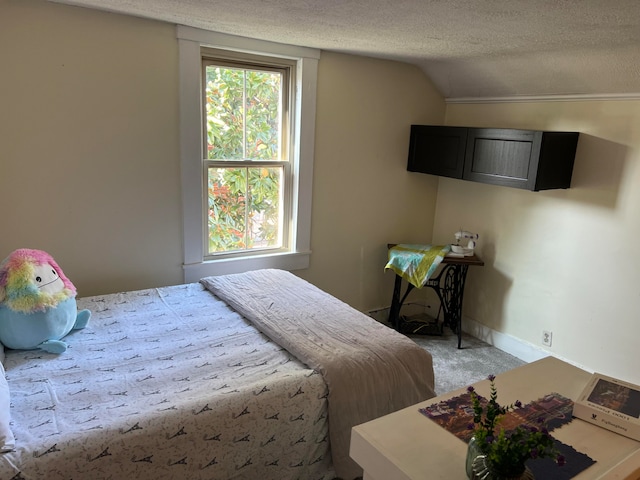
column 507, row 343
column 517, row 347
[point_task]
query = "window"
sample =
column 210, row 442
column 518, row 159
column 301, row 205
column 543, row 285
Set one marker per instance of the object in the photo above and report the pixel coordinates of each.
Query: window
column 247, row 121
column 246, row 146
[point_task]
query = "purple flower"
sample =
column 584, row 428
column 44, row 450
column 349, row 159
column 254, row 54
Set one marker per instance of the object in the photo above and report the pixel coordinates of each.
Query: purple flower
column 489, row 439
column 470, row 388
column 491, row 377
column 534, row 453
column 560, row 460
column 471, row 426
column 518, row 404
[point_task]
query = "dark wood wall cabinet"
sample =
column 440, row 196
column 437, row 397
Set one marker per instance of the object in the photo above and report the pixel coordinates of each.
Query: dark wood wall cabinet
column 532, row 160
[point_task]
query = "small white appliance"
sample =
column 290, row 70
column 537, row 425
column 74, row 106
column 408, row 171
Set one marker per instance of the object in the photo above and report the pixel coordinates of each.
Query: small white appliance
column 465, row 243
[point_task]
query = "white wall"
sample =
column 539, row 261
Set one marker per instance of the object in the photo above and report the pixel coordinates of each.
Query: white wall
column 561, row 260
column 88, row 157
column 363, row 195
column 89, row 167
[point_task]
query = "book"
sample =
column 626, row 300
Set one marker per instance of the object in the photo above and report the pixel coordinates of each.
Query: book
column 610, row 403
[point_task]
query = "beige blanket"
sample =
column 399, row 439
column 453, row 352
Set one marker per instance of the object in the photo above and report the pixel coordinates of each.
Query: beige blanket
column 370, row 369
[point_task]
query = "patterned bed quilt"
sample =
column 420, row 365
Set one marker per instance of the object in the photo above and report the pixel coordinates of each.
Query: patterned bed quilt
column 254, row 376
column 166, row 383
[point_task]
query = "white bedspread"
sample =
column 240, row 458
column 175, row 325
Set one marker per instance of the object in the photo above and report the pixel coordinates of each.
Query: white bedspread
column 370, row 369
column 166, row 384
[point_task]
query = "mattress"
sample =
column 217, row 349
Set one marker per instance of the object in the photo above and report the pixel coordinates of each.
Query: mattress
column 166, row 383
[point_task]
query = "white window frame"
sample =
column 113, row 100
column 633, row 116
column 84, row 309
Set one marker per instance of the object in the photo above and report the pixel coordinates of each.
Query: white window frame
column 296, row 257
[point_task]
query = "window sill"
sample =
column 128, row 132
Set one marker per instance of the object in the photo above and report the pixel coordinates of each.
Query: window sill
column 284, row 261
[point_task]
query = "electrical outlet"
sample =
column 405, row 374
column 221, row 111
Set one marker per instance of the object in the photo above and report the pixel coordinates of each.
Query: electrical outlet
column 546, row 337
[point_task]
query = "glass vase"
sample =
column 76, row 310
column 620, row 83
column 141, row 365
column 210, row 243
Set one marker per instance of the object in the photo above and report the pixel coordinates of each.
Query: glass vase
column 479, row 469
column 473, row 451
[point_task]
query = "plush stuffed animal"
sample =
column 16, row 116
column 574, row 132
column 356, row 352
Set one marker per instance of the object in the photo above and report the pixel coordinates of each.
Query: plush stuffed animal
column 37, row 303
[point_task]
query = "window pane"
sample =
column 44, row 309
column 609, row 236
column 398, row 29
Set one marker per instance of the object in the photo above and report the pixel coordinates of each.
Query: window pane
column 224, row 99
column 243, row 114
column 263, row 115
column 244, row 208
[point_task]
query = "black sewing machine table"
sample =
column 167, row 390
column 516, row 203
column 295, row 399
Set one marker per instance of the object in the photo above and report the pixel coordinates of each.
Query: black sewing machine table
column 449, row 286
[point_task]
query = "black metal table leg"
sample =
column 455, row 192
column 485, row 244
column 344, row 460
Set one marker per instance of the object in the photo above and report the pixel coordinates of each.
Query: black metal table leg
column 396, row 302
column 450, row 293
column 394, row 311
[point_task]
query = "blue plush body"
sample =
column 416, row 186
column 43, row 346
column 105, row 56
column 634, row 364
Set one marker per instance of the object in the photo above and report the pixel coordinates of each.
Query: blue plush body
column 29, row 331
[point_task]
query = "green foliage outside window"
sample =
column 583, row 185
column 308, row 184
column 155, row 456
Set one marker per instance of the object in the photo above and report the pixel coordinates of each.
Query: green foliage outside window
column 243, row 124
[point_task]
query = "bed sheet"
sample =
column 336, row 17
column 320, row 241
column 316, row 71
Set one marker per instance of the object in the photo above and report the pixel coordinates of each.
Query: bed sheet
column 163, row 384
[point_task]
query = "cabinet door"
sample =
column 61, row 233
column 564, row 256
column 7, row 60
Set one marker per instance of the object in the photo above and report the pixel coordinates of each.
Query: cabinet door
column 437, row 150
column 502, row 157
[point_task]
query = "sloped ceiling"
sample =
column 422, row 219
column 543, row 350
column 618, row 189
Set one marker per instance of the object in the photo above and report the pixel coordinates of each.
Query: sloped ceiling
column 469, row 48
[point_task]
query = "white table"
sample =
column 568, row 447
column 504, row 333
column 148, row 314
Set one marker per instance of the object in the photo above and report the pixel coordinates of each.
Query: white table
column 406, row 445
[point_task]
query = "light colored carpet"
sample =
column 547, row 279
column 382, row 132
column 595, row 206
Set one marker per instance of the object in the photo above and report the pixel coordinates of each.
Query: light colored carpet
column 458, row 368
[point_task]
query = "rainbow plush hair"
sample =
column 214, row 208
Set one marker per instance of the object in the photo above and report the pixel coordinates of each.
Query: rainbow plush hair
column 18, row 290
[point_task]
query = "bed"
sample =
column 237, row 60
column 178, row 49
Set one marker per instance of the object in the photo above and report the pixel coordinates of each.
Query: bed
column 258, row 375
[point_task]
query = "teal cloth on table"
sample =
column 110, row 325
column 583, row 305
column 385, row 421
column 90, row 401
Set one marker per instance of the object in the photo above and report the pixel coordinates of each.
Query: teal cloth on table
column 416, row 263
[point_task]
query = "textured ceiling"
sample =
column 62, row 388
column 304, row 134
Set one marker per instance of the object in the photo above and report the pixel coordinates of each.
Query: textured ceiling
column 469, row 48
